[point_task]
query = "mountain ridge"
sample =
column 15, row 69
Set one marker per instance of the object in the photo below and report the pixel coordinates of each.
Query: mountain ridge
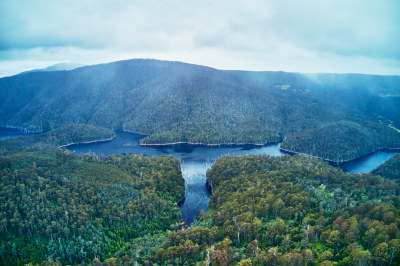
column 171, row 101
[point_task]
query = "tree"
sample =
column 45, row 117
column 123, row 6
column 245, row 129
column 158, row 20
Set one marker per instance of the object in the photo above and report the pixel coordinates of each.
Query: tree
column 246, row 262
column 361, row 257
column 307, row 256
column 273, row 256
column 380, row 253
column 252, row 248
column 326, row 255
column 326, row 263
column 394, row 249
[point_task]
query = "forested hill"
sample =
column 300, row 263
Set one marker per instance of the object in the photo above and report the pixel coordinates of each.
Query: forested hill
column 177, row 102
column 56, row 206
column 390, row 169
column 62, row 136
column 288, row 210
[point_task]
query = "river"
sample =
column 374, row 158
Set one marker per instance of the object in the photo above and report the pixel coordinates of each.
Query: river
column 194, row 163
column 195, row 160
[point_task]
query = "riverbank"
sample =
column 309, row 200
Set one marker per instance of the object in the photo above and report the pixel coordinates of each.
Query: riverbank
column 209, row 186
column 198, row 144
column 181, row 201
column 87, row 142
column 21, row 129
column 205, row 144
column 338, row 163
column 235, row 145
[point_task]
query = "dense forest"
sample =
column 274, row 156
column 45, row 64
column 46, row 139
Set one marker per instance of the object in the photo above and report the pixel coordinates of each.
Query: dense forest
column 390, row 169
column 177, row 102
column 62, row 136
column 57, row 206
column 291, row 210
column 318, row 141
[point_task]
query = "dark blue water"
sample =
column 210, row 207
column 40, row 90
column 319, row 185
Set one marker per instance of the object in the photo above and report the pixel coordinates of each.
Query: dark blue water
column 6, row 132
column 194, row 163
column 368, row 163
column 196, row 160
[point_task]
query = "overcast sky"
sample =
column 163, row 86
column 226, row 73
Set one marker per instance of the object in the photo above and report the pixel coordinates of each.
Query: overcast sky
column 296, row 35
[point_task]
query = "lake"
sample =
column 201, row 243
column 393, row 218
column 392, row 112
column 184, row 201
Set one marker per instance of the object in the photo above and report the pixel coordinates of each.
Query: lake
column 195, row 160
column 194, row 163
column 6, row 132
column 367, row 163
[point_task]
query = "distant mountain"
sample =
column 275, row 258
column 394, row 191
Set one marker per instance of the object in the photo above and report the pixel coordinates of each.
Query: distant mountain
column 56, row 67
column 334, row 116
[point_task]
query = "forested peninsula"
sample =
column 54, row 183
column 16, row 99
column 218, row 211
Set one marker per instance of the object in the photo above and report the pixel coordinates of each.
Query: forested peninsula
column 337, row 117
column 60, row 137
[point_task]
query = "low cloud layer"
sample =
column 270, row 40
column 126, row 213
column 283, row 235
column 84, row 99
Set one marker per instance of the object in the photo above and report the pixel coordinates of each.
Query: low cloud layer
column 302, row 36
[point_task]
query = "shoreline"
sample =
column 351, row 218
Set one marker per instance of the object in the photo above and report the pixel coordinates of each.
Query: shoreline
column 209, row 186
column 204, row 144
column 181, row 201
column 23, row 129
column 200, row 143
column 87, row 142
column 339, row 163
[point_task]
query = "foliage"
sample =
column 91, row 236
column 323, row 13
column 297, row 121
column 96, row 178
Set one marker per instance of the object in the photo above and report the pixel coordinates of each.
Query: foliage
column 291, row 210
column 390, row 169
column 176, row 102
column 342, row 141
column 64, row 135
column 57, row 206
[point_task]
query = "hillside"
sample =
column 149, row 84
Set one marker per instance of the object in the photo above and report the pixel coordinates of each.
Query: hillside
column 177, row 102
column 290, row 210
column 338, row 139
column 390, row 169
column 57, row 206
column 62, row 136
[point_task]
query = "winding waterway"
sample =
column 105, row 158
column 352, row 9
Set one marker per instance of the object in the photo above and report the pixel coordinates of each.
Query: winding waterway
column 195, row 160
column 194, row 163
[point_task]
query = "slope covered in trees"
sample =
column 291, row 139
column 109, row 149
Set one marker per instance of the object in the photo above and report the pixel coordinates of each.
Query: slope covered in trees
column 390, row 169
column 335, row 140
column 57, row 206
column 176, row 102
column 291, row 210
column 62, row 136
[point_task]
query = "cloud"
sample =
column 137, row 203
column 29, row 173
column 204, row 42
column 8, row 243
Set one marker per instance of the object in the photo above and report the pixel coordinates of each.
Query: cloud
column 314, row 36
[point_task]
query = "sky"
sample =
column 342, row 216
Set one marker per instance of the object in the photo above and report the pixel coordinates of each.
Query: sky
column 340, row 36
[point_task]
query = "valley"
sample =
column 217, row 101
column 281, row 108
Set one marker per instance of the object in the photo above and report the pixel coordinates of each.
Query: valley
column 337, row 117
column 230, row 167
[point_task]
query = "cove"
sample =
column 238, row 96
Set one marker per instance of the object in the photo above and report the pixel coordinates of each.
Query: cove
column 367, row 163
column 195, row 160
column 6, row 132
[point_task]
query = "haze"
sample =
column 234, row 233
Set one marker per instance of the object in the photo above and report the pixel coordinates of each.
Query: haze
column 301, row 36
